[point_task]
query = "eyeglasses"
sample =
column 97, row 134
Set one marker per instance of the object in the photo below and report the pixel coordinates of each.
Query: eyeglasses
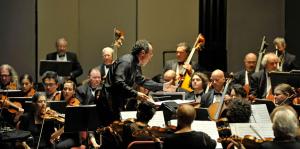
column 49, row 84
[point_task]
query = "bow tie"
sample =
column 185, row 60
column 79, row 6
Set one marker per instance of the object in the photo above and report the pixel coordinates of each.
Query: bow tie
column 180, row 63
column 218, row 94
column 62, row 55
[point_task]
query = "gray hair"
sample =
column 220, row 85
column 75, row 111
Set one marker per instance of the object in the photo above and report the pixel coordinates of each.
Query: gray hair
column 285, row 122
column 109, row 49
column 266, row 57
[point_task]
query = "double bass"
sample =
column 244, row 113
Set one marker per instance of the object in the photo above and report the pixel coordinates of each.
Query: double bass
column 184, row 81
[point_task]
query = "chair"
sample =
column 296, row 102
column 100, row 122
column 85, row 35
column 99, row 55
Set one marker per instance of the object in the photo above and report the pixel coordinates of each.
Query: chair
column 144, row 145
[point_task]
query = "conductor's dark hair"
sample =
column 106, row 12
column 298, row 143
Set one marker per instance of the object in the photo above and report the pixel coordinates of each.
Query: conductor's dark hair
column 50, row 75
column 139, row 46
column 239, row 111
column 145, row 111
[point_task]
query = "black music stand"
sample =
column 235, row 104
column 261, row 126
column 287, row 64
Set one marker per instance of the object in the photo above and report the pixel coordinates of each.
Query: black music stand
column 62, row 68
column 81, row 118
column 163, row 96
column 59, row 106
column 202, row 114
column 291, row 78
column 11, row 93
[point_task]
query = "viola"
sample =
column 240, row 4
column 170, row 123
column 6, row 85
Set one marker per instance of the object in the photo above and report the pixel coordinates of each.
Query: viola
column 13, row 107
column 50, row 114
column 249, row 141
column 73, row 102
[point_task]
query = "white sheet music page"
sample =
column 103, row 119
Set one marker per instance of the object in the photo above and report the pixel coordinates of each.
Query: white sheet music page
column 260, row 114
column 208, row 127
column 263, row 129
column 157, row 120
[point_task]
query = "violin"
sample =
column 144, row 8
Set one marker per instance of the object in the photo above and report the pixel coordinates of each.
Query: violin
column 249, row 141
column 50, row 114
column 73, row 102
column 13, row 107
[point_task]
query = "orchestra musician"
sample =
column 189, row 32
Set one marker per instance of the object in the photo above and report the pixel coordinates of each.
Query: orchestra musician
column 27, row 85
column 285, row 127
column 9, row 77
column 238, row 111
column 145, row 112
column 182, row 52
column 107, row 55
column 62, row 54
column 198, row 83
column 50, row 83
column 215, row 94
column 123, row 74
column 243, row 77
column 86, row 92
column 287, row 60
column 284, row 95
column 68, row 140
column 235, row 91
column 32, row 121
column 260, row 86
column 185, row 137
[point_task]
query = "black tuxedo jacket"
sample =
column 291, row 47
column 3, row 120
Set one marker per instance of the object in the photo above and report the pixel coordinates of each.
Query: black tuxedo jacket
column 72, row 57
column 258, row 84
column 289, row 62
column 239, row 77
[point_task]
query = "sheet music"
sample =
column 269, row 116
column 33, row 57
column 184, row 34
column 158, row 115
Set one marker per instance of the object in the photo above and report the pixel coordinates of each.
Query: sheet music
column 208, row 127
column 177, row 101
column 260, row 114
column 157, row 120
column 242, row 129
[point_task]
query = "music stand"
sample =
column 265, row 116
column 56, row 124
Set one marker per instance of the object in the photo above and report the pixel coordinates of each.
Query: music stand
column 290, row 78
column 81, row 118
column 62, row 68
column 163, row 96
column 11, row 93
column 202, row 114
column 59, row 106
column 270, row 105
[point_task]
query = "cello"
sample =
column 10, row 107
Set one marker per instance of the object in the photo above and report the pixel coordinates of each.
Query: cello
column 184, row 81
column 215, row 109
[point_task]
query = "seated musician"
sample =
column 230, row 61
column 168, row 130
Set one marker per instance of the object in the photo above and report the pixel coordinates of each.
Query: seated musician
column 86, row 92
column 198, row 83
column 284, row 95
column 32, row 121
column 68, row 140
column 50, row 82
column 243, row 77
column 285, row 127
column 145, row 112
column 185, row 137
column 235, row 91
column 182, row 52
column 27, row 85
column 214, row 95
column 9, row 77
column 238, row 111
column 260, row 86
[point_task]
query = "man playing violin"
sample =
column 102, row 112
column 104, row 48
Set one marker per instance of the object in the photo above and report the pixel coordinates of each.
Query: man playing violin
column 9, row 78
column 50, row 83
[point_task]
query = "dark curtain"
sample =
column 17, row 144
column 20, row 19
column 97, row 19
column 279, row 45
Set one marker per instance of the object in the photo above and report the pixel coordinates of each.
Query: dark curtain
column 212, row 24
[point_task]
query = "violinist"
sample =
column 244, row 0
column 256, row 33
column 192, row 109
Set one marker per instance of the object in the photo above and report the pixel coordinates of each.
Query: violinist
column 198, row 83
column 284, row 95
column 260, row 86
column 32, row 121
column 9, row 77
column 50, row 83
column 285, row 127
column 185, row 137
column 214, row 95
column 145, row 112
column 235, row 91
column 182, row 52
column 239, row 111
column 27, row 85
column 68, row 140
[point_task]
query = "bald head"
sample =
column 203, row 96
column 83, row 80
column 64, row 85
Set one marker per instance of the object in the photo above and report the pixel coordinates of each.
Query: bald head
column 218, row 79
column 185, row 115
column 169, row 75
column 250, row 62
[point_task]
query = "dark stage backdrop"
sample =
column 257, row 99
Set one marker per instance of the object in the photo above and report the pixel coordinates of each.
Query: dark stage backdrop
column 17, row 35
